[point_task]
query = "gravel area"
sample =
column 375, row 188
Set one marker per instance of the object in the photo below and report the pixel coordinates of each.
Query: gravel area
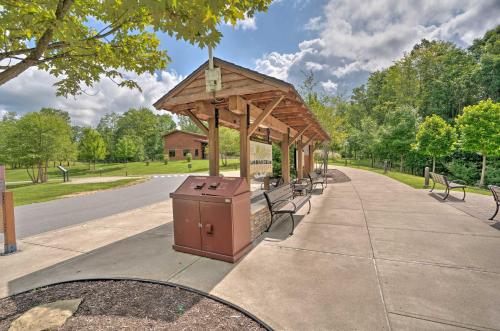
column 130, row 305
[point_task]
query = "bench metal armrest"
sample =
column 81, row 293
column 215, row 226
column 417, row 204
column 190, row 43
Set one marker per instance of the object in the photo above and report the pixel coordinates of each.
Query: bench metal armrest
column 458, row 181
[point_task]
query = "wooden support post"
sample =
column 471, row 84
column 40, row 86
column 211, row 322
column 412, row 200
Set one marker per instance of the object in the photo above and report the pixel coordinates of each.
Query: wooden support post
column 9, row 228
column 285, row 158
column 244, row 148
column 300, row 161
column 213, row 147
column 311, row 158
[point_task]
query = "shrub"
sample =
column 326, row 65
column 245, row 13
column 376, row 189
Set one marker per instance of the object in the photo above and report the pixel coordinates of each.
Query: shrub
column 492, row 175
column 166, row 158
column 189, row 157
column 466, row 171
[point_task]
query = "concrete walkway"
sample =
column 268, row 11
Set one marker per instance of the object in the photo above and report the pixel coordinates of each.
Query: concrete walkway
column 374, row 254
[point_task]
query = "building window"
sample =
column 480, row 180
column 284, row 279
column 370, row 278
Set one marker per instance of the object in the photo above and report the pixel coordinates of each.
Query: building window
column 185, row 152
column 171, row 152
column 196, row 152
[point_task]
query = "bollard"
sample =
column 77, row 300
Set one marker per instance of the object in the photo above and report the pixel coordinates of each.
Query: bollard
column 426, row 177
column 9, row 229
column 385, row 166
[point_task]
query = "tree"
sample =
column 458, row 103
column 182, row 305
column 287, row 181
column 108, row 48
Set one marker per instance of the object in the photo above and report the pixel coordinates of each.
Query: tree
column 7, row 129
column 143, row 123
column 398, row 132
column 435, row 138
column 479, row 128
column 92, row 147
column 56, row 36
column 129, row 148
column 107, row 127
column 229, row 143
column 186, row 124
column 487, row 51
column 38, row 137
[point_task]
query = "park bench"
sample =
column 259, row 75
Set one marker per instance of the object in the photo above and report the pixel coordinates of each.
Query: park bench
column 317, row 179
column 449, row 185
column 495, row 190
column 282, row 200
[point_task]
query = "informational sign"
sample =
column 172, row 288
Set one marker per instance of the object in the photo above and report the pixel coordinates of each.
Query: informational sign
column 261, row 159
column 62, row 168
column 2, row 189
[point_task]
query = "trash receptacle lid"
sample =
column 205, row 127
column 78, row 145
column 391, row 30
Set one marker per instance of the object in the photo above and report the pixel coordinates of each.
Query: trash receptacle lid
column 212, row 186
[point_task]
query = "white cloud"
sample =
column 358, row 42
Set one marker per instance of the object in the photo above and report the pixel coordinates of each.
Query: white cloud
column 356, row 37
column 313, row 24
column 248, row 23
column 313, row 66
column 34, row 89
column 329, row 86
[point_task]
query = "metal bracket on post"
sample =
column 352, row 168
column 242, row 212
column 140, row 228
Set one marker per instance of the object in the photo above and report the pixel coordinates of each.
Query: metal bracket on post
column 248, row 116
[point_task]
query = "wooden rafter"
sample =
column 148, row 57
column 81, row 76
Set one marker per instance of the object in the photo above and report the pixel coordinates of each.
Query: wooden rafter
column 309, row 140
column 300, row 133
column 197, row 121
column 264, row 114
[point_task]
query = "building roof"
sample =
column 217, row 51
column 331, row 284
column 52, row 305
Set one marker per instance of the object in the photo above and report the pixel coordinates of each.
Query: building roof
column 256, row 89
column 197, row 136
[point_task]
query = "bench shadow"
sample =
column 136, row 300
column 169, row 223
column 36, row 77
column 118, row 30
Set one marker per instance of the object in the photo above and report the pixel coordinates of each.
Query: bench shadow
column 440, row 195
column 280, row 230
column 496, row 225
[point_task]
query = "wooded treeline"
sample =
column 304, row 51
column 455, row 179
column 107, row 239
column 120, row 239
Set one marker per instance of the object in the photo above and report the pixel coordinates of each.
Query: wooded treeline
column 418, row 103
column 33, row 140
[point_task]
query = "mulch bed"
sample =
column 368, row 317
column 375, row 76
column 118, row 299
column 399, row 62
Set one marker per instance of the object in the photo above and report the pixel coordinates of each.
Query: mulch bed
column 130, row 305
column 337, row 176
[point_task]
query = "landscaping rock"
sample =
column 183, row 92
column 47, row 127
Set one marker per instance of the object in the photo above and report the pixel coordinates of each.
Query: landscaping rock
column 49, row 316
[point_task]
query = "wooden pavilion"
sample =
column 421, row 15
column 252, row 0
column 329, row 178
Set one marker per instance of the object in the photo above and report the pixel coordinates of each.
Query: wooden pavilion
column 253, row 103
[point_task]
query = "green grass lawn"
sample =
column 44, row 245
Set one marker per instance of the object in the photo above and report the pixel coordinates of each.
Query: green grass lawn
column 25, row 194
column 411, row 180
column 79, row 169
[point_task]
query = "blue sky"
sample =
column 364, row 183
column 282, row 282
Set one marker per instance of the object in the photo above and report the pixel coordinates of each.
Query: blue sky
column 279, row 29
column 341, row 41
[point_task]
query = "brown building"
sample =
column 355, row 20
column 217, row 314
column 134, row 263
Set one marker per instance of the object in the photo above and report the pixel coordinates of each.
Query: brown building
column 178, row 143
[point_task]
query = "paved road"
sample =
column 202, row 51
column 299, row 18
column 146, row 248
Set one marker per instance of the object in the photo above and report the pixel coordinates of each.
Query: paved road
column 41, row 217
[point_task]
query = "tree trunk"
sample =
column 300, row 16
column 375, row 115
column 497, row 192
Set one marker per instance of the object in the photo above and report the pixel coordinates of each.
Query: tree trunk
column 483, row 171
column 94, row 165
column 46, row 172
column 401, row 164
column 433, row 164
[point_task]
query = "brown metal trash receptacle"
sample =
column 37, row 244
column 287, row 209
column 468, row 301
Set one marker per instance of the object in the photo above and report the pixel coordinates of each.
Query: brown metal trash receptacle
column 212, row 217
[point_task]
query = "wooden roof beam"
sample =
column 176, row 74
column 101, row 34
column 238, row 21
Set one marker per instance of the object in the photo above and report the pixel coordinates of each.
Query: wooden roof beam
column 264, row 114
column 300, row 133
column 197, row 121
column 207, row 109
column 309, row 140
